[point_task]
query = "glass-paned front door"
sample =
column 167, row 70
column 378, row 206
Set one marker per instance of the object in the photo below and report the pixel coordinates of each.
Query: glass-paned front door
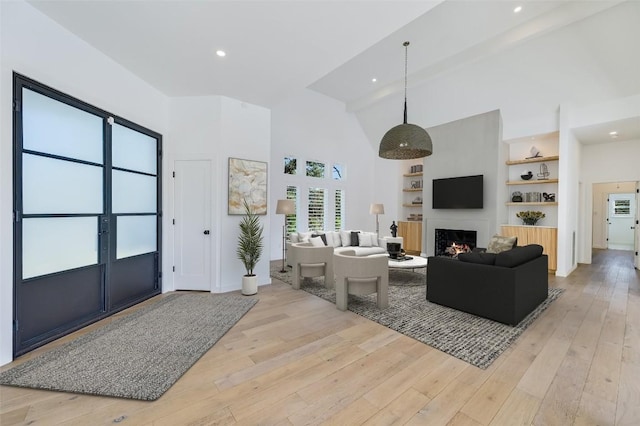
column 86, row 201
column 135, row 211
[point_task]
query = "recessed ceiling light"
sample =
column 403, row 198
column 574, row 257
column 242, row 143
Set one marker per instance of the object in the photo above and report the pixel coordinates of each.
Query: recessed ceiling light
column 517, row 9
column 613, row 134
column 221, row 53
column 374, row 79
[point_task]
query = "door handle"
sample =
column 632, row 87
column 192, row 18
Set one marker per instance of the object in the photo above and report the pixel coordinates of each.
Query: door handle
column 206, row 232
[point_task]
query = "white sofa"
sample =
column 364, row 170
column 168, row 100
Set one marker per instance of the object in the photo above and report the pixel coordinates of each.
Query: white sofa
column 362, row 243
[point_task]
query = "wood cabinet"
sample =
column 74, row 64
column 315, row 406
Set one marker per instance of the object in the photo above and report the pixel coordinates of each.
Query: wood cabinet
column 547, row 237
column 411, row 232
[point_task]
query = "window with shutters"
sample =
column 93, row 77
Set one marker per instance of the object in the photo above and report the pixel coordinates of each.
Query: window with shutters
column 291, row 220
column 338, row 209
column 317, row 189
column 317, row 207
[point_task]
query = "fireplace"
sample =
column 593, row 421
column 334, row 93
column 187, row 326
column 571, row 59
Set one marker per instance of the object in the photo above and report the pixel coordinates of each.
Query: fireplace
column 451, row 242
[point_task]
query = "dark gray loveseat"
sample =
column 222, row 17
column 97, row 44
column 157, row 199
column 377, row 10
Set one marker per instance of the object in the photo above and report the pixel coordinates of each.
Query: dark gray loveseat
column 504, row 287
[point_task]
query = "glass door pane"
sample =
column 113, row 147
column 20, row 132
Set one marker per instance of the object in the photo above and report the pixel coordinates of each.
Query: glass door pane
column 53, row 127
column 59, row 243
column 133, row 193
column 136, row 235
column 133, row 150
column 51, row 186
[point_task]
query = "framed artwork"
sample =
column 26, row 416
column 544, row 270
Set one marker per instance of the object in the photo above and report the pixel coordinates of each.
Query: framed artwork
column 247, row 181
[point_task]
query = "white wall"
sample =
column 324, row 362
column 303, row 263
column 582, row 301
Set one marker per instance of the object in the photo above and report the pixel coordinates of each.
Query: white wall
column 195, row 128
column 310, row 126
column 245, row 132
column 568, row 196
column 35, row 46
column 215, row 128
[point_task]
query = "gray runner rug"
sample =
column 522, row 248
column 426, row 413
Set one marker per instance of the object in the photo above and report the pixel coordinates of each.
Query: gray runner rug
column 476, row 340
column 138, row 356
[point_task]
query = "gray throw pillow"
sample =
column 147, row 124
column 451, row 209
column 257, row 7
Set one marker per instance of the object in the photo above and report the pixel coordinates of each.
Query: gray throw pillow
column 498, row 244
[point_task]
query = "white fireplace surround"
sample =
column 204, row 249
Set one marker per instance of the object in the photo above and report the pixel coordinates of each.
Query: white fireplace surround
column 481, row 226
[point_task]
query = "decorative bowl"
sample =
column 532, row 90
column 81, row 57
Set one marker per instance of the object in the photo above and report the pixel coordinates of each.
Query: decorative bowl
column 527, row 176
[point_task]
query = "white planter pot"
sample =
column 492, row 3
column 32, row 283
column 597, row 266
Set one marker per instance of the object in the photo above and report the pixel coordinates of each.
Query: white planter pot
column 249, row 285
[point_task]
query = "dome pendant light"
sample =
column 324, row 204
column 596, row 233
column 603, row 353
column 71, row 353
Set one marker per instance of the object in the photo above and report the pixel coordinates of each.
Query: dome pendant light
column 405, row 141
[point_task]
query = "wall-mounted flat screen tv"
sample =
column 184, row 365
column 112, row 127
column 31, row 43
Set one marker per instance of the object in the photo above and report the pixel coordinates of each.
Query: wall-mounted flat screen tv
column 465, row 192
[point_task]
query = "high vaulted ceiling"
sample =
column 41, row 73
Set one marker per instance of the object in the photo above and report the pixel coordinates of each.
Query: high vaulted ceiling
column 333, row 47
column 272, row 47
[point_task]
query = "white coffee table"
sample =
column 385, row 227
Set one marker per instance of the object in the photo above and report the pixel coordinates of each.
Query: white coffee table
column 416, row 262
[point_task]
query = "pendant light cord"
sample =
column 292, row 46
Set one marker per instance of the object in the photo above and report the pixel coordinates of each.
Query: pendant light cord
column 406, row 53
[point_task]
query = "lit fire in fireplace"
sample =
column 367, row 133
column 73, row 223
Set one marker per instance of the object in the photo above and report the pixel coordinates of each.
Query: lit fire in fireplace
column 455, row 249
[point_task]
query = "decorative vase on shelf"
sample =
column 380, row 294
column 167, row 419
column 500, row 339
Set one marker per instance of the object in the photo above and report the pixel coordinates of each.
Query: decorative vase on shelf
column 516, row 197
column 530, row 217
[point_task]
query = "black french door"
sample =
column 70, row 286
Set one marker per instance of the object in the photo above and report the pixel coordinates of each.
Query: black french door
column 87, row 214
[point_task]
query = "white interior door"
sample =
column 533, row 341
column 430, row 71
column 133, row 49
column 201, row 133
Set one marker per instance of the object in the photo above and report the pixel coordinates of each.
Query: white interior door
column 192, row 225
column 621, row 221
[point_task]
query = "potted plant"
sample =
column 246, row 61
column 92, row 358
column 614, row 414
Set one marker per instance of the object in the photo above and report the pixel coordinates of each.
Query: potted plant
column 249, row 249
column 530, row 217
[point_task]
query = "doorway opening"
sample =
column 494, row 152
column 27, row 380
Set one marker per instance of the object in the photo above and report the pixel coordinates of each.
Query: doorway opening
column 616, row 210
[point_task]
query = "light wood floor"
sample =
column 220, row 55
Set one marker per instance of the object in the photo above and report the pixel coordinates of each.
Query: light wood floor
column 295, row 359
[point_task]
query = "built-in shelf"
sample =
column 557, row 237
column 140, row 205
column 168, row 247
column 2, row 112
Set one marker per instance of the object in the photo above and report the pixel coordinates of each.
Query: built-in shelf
column 411, row 230
column 531, row 182
column 533, row 160
column 541, row 203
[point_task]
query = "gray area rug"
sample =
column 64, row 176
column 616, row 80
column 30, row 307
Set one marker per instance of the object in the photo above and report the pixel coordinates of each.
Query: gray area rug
column 138, row 356
column 478, row 341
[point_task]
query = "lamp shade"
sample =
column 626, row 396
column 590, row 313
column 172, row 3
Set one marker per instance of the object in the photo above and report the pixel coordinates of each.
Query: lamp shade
column 285, row 207
column 404, row 142
column 376, row 209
